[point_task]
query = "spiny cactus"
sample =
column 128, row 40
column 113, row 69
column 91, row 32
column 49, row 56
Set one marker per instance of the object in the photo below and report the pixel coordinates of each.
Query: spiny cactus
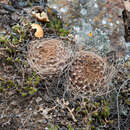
column 48, row 57
column 89, row 72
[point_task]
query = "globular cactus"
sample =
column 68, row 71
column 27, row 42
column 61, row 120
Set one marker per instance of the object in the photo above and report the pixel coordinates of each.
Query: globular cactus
column 89, row 73
column 48, row 57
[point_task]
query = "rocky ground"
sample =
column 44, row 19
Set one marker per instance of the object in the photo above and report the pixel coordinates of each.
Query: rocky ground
column 26, row 101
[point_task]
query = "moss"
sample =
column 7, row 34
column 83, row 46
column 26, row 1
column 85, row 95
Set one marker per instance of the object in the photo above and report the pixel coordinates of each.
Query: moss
column 6, row 85
column 50, row 127
column 85, row 112
column 24, row 94
column 105, row 111
column 70, row 127
column 57, row 26
column 32, row 90
column 1, row 88
column 18, row 60
column 94, row 112
column 10, row 60
column 18, row 35
column 29, row 85
column 4, row 39
column 77, row 109
column 10, row 50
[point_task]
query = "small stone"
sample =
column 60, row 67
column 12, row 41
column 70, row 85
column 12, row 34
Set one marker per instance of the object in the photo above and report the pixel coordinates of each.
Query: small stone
column 30, row 109
column 38, row 99
column 44, row 121
column 35, row 113
column 111, row 24
column 76, row 28
column 104, row 21
column 83, row 11
column 96, row 5
column 64, row 10
column 117, row 22
column 46, row 128
column 14, row 103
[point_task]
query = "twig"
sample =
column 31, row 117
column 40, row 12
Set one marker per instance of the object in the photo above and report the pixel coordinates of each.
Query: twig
column 2, row 79
column 118, row 111
column 70, row 110
column 71, row 113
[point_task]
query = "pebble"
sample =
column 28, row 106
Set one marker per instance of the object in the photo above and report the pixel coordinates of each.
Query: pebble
column 83, row 11
column 38, row 99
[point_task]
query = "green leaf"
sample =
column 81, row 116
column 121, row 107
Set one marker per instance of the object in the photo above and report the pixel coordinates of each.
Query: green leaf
column 24, row 94
column 105, row 111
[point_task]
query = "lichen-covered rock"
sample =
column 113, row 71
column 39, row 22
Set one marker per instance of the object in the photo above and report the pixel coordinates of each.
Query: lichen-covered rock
column 48, row 57
column 89, row 72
